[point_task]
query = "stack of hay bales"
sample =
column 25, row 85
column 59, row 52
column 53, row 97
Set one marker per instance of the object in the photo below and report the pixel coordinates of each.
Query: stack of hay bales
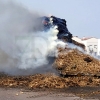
column 75, row 62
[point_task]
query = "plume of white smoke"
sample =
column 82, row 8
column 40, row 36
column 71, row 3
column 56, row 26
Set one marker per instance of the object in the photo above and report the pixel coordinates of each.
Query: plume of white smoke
column 22, row 50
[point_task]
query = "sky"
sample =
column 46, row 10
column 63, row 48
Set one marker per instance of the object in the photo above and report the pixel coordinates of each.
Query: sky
column 82, row 16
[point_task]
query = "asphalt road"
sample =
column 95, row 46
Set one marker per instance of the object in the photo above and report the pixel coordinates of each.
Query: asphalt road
column 22, row 94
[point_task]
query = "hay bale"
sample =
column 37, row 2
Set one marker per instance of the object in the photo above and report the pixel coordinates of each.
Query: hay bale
column 75, row 62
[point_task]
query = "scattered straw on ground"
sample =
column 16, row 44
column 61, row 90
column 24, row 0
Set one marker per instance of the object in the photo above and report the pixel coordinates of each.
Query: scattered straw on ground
column 47, row 81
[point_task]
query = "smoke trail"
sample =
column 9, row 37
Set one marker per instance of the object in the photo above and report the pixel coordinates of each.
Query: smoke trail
column 22, row 50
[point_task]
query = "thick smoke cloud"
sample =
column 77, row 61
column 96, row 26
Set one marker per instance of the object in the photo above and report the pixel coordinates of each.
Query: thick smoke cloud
column 22, row 50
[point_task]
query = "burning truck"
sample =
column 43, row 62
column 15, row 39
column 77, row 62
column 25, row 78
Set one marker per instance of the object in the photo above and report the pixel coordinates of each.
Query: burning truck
column 45, row 23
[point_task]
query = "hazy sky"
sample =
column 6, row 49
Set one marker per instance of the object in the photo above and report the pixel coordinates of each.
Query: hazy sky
column 83, row 16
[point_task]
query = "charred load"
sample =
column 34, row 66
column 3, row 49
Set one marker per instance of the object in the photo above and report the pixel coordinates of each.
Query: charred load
column 45, row 23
